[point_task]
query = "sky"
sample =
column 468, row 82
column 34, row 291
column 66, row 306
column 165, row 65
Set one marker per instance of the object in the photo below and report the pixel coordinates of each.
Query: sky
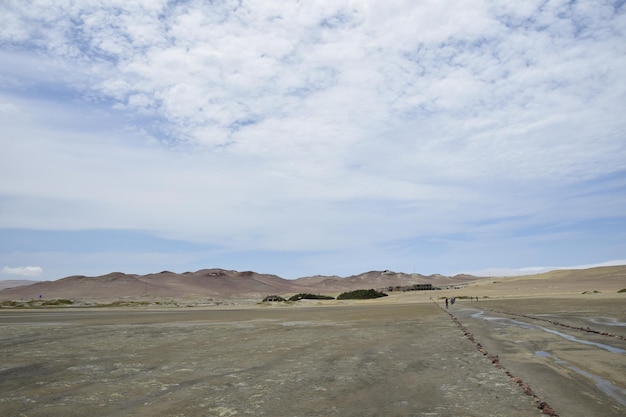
column 311, row 137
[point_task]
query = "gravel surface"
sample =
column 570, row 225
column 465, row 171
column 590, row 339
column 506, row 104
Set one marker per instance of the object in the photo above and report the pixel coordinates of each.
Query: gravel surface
column 355, row 360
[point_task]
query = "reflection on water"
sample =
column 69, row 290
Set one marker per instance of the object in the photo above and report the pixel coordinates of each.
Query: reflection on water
column 607, row 321
column 547, row 355
column 505, row 321
column 605, row 386
column 617, row 393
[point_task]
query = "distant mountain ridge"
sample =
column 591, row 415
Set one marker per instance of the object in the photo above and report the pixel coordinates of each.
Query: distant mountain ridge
column 11, row 283
column 215, row 283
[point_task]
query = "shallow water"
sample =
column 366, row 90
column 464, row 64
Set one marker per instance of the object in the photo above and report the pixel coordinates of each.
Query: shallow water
column 544, row 354
column 617, row 393
column 524, row 325
column 607, row 321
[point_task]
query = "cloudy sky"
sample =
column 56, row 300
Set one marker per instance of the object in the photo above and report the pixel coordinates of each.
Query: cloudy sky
column 310, row 137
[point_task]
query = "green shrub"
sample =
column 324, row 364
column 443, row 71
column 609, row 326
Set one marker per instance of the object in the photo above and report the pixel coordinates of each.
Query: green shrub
column 122, row 303
column 11, row 304
column 361, row 295
column 307, row 296
column 273, row 298
column 57, row 302
column 622, row 290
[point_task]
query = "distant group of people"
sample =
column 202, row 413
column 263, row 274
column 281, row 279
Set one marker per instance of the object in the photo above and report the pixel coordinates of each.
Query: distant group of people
column 451, row 300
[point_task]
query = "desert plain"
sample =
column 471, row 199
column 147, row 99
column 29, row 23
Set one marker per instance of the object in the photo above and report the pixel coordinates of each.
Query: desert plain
column 553, row 344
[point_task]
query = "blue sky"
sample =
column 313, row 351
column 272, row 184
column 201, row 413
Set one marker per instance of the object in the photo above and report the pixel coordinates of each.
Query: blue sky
column 302, row 138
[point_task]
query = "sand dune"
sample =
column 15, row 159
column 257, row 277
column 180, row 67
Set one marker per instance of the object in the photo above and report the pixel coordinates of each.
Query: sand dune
column 223, row 284
column 213, row 283
column 12, row 283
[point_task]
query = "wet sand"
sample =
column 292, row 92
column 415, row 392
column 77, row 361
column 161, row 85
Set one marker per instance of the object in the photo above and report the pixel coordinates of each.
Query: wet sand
column 572, row 351
column 392, row 358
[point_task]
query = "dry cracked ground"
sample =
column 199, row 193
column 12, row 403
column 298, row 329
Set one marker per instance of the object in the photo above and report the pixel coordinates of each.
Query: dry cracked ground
column 354, row 360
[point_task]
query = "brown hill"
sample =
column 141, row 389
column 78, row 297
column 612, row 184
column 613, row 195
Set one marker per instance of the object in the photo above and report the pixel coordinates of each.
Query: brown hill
column 213, row 283
column 221, row 284
column 11, row 283
column 379, row 280
column 217, row 283
column 607, row 279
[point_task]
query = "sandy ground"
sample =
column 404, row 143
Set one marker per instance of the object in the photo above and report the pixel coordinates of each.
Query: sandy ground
column 405, row 356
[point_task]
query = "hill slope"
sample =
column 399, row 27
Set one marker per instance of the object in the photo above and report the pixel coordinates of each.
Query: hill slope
column 224, row 284
column 214, row 283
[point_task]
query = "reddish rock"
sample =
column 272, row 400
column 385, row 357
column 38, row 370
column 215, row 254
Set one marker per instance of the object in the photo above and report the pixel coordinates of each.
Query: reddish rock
column 527, row 389
column 549, row 411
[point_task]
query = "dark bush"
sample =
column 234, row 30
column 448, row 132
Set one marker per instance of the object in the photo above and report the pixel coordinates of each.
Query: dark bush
column 273, row 298
column 11, row 304
column 307, row 296
column 57, row 302
column 124, row 303
column 361, row 295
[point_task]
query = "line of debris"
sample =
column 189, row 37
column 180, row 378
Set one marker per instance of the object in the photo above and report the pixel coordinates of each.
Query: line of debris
column 495, row 360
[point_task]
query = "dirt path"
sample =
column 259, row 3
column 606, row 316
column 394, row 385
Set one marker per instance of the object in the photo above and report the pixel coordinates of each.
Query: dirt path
column 362, row 360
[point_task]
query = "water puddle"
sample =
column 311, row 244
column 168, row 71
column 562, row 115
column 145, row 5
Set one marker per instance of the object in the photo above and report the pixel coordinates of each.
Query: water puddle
column 617, row 393
column 607, row 321
column 543, row 354
column 523, row 325
column 584, row 342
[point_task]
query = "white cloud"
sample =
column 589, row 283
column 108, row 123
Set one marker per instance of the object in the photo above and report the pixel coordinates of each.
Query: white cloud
column 308, row 126
column 27, row 271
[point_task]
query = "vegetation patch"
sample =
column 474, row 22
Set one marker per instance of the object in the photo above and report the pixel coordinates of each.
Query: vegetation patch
column 36, row 303
column 591, row 292
column 307, row 296
column 11, row 304
column 622, row 290
column 271, row 298
column 125, row 304
column 57, row 302
column 361, row 295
